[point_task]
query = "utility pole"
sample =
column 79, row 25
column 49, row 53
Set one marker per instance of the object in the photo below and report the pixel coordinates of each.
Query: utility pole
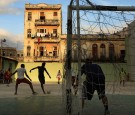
column 3, row 40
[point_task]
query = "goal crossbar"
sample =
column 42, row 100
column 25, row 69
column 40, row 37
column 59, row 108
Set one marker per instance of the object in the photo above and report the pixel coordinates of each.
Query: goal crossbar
column 104, row 8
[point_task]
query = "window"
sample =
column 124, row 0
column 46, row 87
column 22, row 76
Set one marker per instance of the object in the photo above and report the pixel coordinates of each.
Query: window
column 54, row 34
column 102, row 52
column 42, row 17
column 10, row 54
column 29, row 33
column 102, row 46
column 55, row 13
column 41, row 51
column 54, row 51
column 18, row 55
column 45, row 30
column 111, row 52
column 34, row 53
column 54, row 48
column 28, row 50
column 29, row 16
column 41, row 30
column 95, row 51
column 55, row 31
column 122, row 55
column 4, row 53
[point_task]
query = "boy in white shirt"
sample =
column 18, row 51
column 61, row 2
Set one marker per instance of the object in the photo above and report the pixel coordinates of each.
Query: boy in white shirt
column 21, row 79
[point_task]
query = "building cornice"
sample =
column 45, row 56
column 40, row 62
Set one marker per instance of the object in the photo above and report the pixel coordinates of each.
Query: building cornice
column 42, row 6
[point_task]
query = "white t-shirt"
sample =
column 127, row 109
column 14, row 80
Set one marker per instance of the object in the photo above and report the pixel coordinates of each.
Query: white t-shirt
column 20, row 72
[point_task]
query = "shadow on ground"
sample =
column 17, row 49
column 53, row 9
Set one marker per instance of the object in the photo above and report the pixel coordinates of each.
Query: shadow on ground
column 53, row 105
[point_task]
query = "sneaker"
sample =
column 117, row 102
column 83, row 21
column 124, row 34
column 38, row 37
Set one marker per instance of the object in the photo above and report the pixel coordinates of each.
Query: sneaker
column 107, row 112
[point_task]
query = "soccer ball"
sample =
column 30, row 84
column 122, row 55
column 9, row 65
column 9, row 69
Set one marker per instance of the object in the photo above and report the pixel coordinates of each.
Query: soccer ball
column 48, row 92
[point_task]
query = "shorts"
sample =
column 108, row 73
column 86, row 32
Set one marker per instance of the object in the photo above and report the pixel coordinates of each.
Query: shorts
column 59, row 78
column 41, row 80
column 90, row 87
column 24, row 80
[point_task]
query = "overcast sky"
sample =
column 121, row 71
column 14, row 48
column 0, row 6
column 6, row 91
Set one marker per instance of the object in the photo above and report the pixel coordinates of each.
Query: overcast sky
column 12, row 17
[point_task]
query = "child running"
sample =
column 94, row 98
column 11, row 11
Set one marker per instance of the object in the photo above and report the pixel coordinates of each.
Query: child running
column 21, row 79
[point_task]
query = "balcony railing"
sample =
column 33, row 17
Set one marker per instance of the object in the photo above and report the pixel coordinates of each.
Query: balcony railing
column 47, row 22
column 46, row 58
column 46, row 39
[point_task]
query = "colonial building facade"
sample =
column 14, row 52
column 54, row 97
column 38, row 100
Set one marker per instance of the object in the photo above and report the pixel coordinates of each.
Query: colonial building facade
column 104, row 48
column 20, row 55
column 43, row 39
column 42, row 32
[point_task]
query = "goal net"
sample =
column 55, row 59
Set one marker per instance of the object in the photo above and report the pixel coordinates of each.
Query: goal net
column 104, row 34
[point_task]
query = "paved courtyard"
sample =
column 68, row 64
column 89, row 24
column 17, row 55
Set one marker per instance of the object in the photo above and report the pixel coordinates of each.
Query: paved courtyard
column 121, row 101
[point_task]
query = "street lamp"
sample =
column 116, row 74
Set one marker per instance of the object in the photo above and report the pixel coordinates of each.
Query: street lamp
column 3, row 40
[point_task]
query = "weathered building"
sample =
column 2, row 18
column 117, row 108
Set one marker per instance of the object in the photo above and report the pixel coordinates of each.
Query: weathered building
column 20, row 56
column 7, row 52
column 42, row 32
column 44, row 41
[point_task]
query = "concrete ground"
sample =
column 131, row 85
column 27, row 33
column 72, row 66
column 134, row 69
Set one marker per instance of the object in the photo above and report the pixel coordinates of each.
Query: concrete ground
column 121, row 101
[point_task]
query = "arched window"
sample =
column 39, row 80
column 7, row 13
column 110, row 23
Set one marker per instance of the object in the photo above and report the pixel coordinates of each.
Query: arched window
column 111, row 52
column 84, row 50
column 55, row 51
column 41, row 50
column 95, row 51
column 102, row 52
column 28, row 50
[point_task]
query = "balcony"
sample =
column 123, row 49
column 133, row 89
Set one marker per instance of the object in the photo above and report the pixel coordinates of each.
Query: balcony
column 47, row 22
column 44, row 37
column 47, row 40
column 46, row 58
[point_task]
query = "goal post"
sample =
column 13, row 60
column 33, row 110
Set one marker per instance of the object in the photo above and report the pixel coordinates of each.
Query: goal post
column 78, row 8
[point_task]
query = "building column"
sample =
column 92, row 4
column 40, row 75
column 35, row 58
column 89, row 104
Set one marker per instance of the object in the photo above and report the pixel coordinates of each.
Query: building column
column 130, row 48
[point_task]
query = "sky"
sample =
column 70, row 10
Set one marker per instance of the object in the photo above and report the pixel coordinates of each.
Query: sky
column 12, row 17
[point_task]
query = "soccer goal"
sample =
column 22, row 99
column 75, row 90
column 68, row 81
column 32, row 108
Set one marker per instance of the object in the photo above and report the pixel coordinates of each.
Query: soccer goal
column 105, row 34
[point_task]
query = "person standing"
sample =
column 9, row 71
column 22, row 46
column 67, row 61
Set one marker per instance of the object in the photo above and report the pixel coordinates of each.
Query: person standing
column 21, row 79
column 74, row 80
column 41, row 76
column 7, row 76
column 122, row 76
column 95, row 80
column 58, row 76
